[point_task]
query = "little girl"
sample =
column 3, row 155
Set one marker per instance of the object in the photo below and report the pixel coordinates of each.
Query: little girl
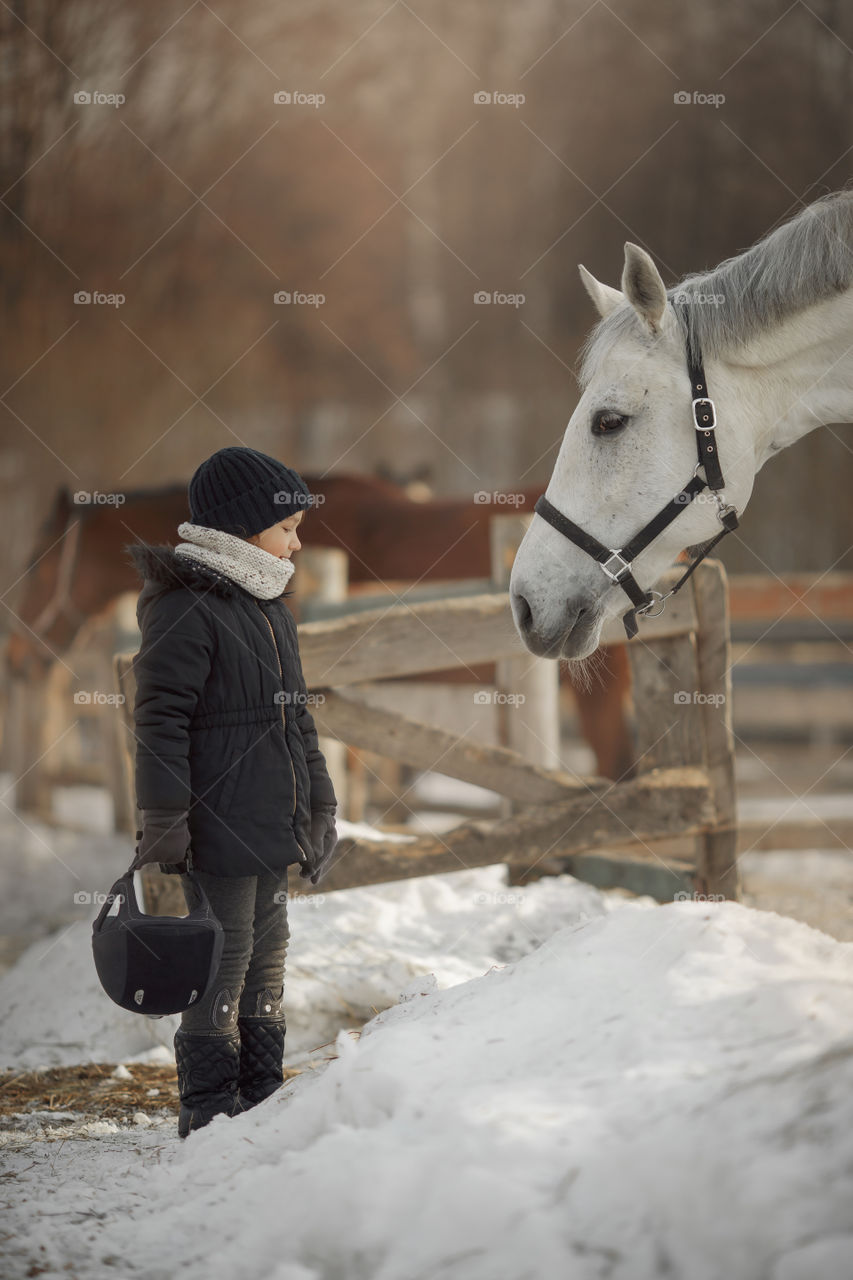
column 228, row 767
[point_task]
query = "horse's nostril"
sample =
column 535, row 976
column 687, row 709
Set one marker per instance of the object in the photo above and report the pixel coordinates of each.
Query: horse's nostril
column 523, row 611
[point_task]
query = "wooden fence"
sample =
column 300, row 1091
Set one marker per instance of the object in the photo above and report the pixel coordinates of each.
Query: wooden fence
column 684, row 785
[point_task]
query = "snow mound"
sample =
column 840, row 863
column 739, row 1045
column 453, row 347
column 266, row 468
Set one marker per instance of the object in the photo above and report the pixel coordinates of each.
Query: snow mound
column 653, row 1092
column 351, row 953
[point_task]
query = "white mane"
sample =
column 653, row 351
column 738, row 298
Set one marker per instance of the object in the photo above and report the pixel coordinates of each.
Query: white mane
column 805, row 260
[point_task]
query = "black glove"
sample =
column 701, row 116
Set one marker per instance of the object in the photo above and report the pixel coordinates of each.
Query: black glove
column 324, row 837
column 165, row 838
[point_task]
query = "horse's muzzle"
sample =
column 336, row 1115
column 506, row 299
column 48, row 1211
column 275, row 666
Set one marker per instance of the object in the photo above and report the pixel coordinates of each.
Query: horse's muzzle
column 573, row 633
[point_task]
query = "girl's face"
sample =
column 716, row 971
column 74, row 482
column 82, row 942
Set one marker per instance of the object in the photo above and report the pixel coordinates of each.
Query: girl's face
column 280, row 539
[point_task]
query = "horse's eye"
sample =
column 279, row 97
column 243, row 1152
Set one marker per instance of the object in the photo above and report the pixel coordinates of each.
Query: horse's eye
column 605, row 422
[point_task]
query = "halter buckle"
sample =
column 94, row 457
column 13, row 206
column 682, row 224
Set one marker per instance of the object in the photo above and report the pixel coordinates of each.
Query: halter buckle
column 623, row 566
column 646, row 609
column 704, row 426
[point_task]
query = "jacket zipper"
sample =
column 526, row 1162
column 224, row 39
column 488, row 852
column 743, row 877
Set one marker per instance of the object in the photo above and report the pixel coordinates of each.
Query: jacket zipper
column 284, row 721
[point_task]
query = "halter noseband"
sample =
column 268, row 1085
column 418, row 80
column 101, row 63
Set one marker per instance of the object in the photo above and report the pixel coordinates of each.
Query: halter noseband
column 616, row 561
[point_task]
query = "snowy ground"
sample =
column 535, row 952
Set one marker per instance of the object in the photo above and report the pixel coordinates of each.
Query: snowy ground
column 651, row 1091
column 351, row 954
column 551, row 1081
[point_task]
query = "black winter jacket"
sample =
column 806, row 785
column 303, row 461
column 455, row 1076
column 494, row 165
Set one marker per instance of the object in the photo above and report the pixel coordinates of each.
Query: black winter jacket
column 222, row 724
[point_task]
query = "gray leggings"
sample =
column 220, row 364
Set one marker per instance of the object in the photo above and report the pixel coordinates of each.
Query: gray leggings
column 250, row 980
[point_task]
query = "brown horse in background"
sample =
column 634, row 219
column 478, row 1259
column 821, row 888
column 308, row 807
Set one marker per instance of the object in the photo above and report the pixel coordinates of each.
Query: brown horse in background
column 80, row 567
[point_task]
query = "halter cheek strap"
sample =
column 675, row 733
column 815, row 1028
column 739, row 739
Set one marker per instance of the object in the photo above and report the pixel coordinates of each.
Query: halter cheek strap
column 616, row 561
column 704, row 416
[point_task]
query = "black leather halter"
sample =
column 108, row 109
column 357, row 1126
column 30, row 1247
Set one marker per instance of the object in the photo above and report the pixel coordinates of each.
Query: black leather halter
column 616, row 561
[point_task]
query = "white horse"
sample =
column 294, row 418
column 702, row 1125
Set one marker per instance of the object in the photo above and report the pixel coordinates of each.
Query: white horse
column 775, row 329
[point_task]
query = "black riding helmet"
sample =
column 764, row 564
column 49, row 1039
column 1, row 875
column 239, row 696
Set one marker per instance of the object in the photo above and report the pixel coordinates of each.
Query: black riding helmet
column 156, row 964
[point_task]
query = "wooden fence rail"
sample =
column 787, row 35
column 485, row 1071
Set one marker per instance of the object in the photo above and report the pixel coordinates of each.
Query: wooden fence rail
column 685, row 781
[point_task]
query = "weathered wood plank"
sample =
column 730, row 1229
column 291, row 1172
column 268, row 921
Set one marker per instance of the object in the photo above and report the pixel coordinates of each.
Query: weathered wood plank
column 161, row 894
column 658, row 879
column 527, row 688
column 665, row 690
column 667, row 720
column 400, row 640
column 123, row 767
column 763, row 596
column 324, row 577
column 530, row 719
column 716, row 851
column 662, row 802
column 425, row 746
column 677, row 619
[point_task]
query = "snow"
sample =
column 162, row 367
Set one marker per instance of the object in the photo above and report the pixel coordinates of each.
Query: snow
column 351, row 953
column 499, row 1084
column 645, row 1091
column 815, row 885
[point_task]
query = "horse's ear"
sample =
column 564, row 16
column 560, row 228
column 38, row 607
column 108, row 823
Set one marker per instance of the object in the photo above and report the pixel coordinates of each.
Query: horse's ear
column 643, row 286
column 604, row 298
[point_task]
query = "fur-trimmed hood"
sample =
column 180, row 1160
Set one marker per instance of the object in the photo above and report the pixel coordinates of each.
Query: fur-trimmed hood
column 159, row 565
column 162, row 569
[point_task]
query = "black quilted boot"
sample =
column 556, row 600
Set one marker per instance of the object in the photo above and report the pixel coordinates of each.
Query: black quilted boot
column 207, row 1077
column 261, row 1050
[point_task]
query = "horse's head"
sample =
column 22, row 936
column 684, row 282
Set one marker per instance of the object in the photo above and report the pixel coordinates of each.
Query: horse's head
column 629, row 448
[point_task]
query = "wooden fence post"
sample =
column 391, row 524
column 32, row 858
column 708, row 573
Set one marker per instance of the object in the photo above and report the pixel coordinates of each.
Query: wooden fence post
column 162, row 895
column 27, row 708
column 683, row 686
column 324, row 575
column 527, row 688
column 668, row 726
column 717, row 869
column 532, row 726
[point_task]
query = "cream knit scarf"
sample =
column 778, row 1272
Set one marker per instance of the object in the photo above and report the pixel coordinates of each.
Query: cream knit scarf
column 263, row 575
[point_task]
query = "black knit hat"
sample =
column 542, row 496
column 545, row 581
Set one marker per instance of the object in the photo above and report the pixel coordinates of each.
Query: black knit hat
column 242, row 491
